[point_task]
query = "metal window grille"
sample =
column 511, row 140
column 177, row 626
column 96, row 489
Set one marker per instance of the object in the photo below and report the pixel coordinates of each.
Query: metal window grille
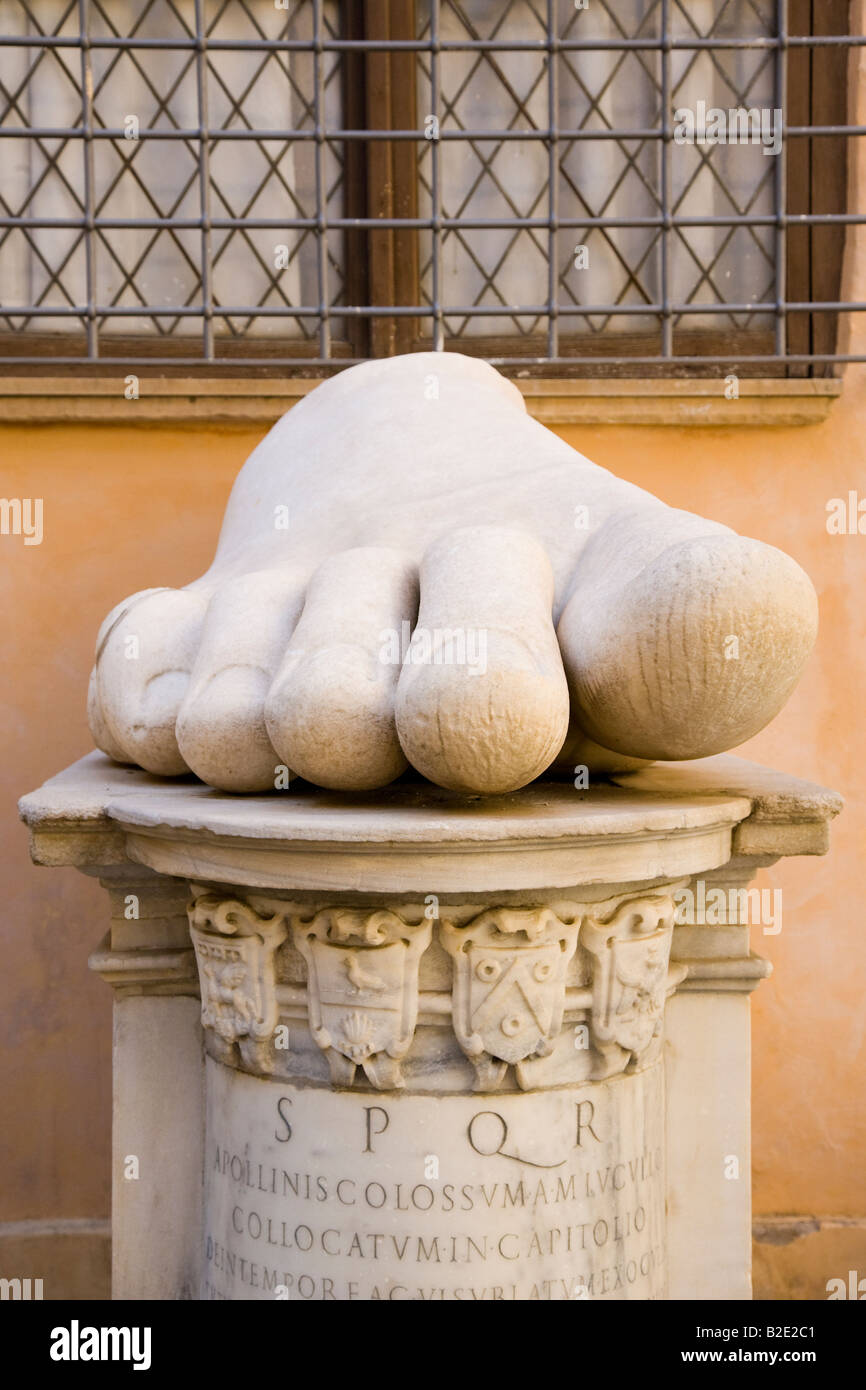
column 177, row 172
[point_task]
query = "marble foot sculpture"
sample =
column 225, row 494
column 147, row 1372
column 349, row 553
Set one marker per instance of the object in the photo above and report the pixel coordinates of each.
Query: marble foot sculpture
column 412, row 571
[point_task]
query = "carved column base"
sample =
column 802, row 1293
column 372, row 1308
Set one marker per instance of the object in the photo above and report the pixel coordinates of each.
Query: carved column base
column 316, row 1193
column 415, row 1047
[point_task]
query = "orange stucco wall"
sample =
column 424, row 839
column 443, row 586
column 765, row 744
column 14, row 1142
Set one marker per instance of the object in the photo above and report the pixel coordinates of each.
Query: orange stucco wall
column 127, row 508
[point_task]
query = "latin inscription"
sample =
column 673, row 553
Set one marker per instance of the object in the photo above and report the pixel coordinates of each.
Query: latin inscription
column 326, row 1195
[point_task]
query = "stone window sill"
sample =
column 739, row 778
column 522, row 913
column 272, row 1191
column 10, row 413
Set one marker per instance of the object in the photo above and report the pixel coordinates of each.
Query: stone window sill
column 244, row 401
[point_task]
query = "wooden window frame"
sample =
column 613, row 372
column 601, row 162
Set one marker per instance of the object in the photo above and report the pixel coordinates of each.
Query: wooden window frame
column 382, row 266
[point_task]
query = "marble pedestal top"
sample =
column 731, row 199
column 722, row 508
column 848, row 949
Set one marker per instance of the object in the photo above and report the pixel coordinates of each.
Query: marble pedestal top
column 660, row 822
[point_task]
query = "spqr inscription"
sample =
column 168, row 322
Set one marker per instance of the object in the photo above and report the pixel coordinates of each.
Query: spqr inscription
column 325, row 1195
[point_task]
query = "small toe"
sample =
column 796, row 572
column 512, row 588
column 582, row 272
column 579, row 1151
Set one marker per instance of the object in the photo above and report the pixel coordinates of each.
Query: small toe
column 145, row 651
column 221, row 729
column 330, row 712
column 482, row 703
column 96, row 719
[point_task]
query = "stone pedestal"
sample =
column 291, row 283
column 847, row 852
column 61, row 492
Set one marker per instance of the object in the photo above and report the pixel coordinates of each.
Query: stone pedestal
column 409, row 1045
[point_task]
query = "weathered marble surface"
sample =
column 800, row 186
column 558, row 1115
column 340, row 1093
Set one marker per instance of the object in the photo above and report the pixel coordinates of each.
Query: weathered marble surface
column 560, row 615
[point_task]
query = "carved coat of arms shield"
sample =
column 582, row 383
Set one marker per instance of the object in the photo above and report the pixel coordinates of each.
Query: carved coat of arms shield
column 509, row 983
column 235, row 948
column 232, row 994
column 362, row 988
column 360, row 996
column 637, row 989
column 630, row 979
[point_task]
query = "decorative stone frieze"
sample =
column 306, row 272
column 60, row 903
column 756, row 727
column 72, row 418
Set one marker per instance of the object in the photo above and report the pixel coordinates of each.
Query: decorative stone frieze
column 514, row 975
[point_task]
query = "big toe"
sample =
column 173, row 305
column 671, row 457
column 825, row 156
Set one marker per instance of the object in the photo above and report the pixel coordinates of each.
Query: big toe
column 695, row 653
column 482, row 703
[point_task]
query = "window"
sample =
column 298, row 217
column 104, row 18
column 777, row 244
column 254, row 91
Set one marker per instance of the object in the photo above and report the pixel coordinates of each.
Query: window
column 562, row 186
